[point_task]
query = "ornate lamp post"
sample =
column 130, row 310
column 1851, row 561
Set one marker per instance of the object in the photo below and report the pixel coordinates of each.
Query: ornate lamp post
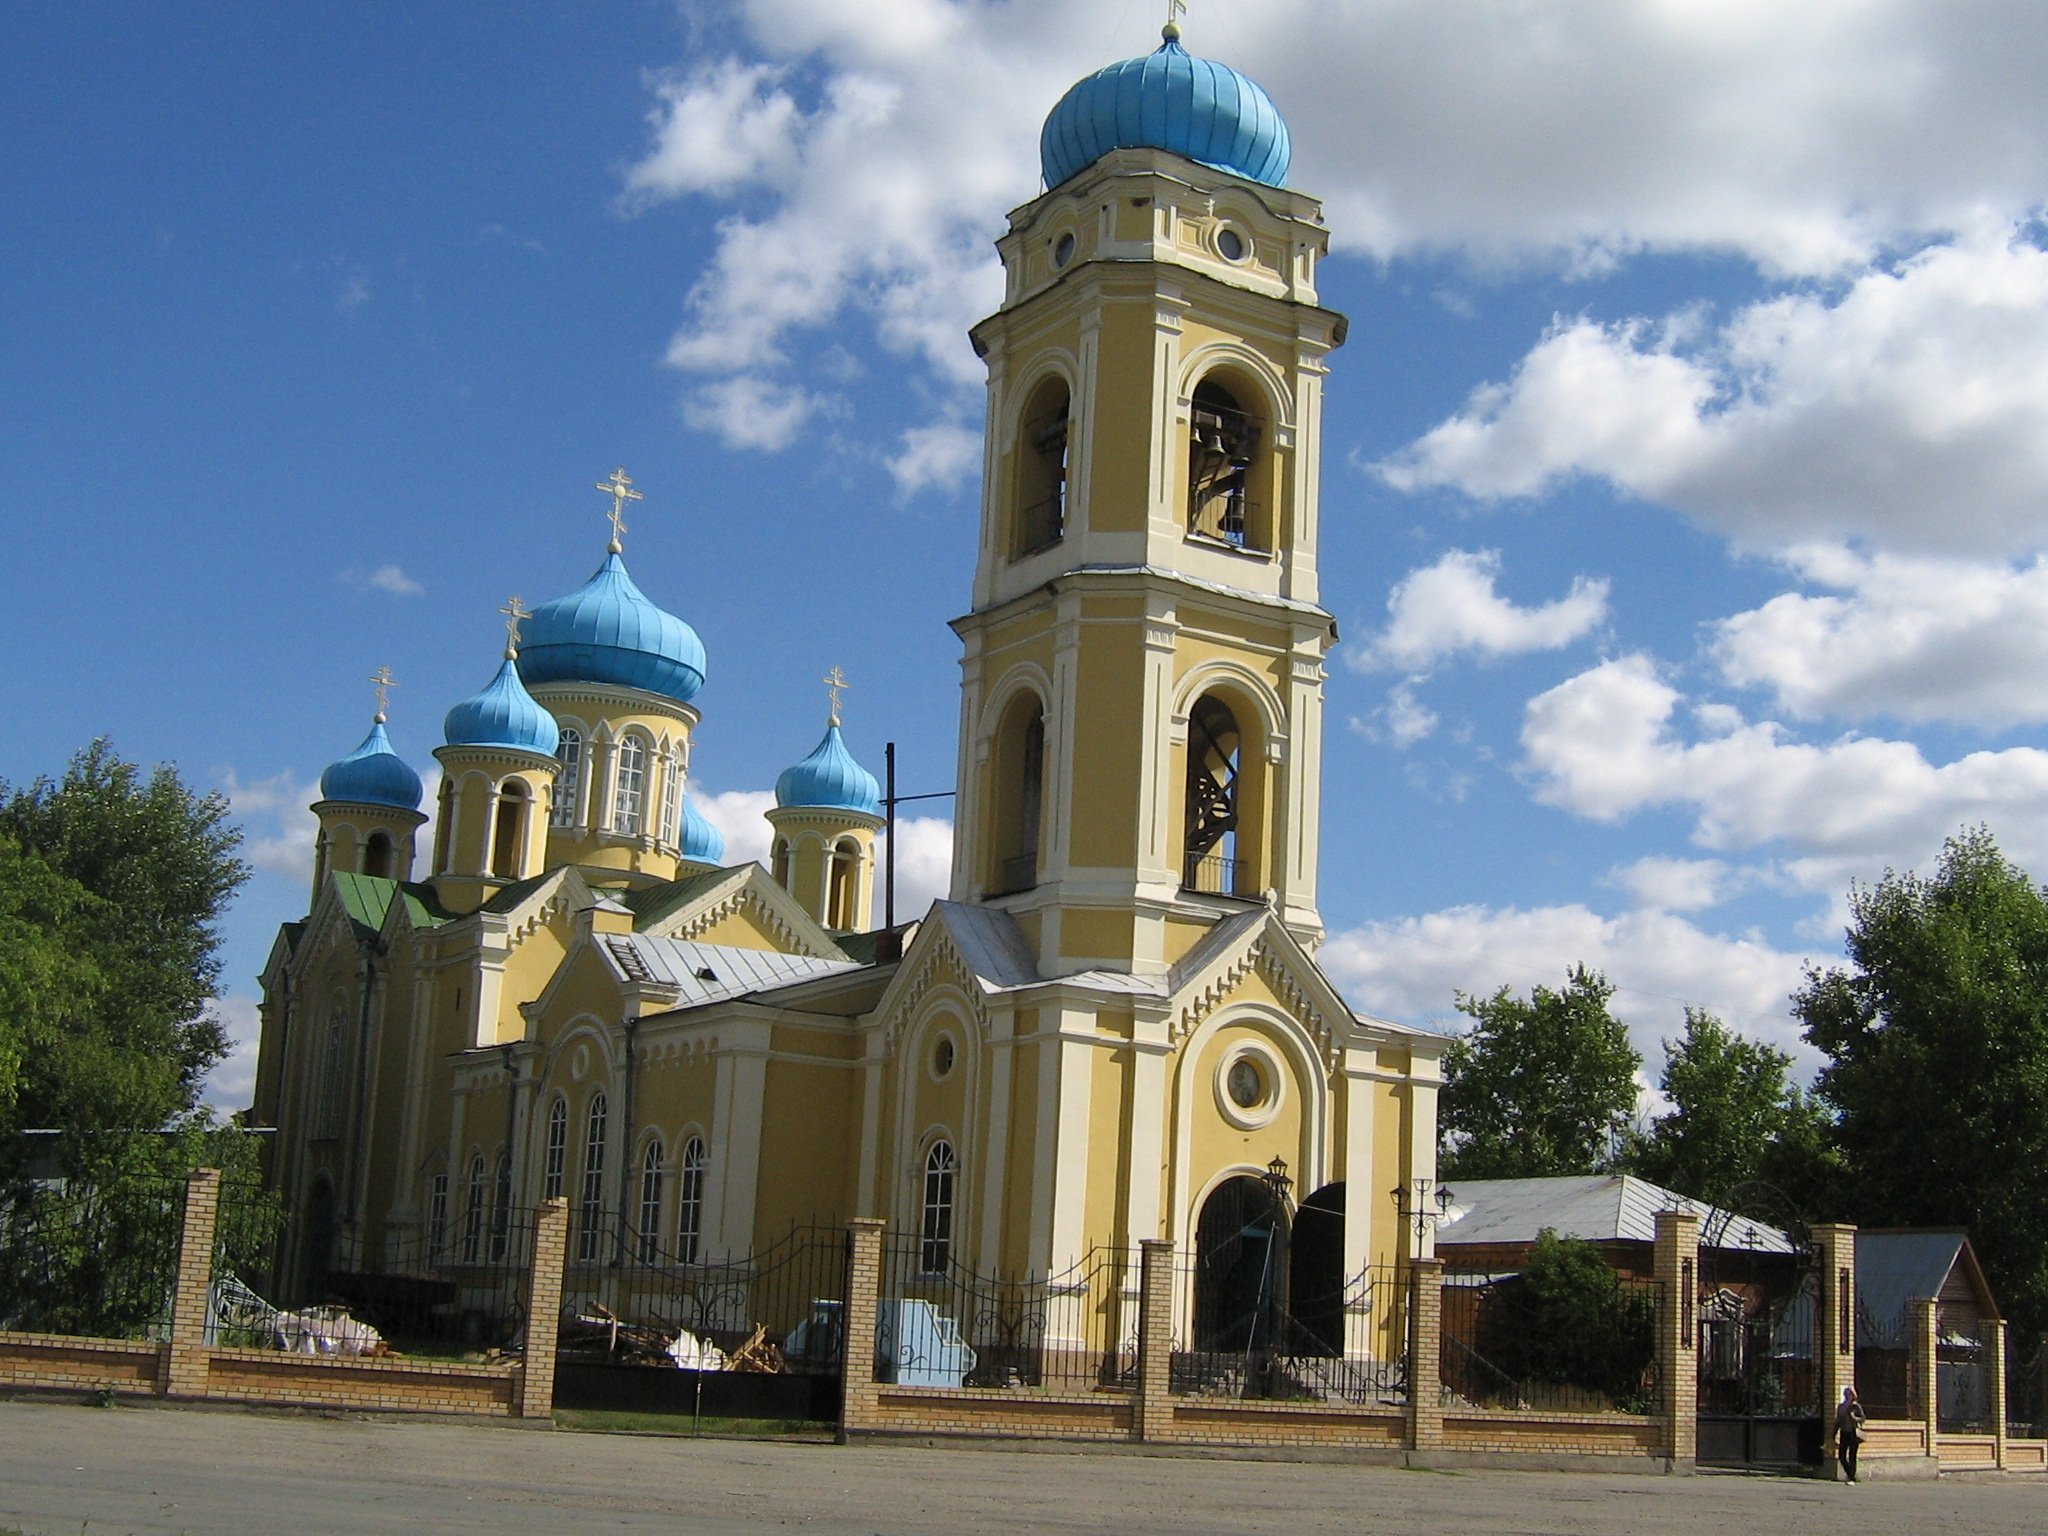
column 1415, row 1199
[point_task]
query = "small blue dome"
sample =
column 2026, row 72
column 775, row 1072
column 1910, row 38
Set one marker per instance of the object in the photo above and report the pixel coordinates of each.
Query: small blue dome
column 1167, row 100
column 829, row 778
column 373, row 774
column 702, row 842
column 606, row 631
column 503, row 715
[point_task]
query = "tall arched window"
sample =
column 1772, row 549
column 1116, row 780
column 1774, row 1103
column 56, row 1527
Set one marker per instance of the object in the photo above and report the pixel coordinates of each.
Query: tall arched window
column 841, row 905
column 555, row 1154
column 501, row 1208
column 377, row 858
column 653, row 1164
column 332, row 1082
column 569, row 778
column 629, row 785
column 1041, row 471
column 672, row 799
column 1210, row 848
column 508, row 837
column 590, row 1216
column 690, row 1201
column 1019, row 806
column 444, row 826
column 936, row 1247
column 1223, row 447
column 473, row 1213
column 437, row 1217
column 778, row 861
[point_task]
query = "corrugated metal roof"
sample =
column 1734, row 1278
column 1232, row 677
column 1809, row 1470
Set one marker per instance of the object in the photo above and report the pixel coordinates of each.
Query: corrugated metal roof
column 1893, row 1270
column 702, row 973
column 1595, row 1207
column 990, row 942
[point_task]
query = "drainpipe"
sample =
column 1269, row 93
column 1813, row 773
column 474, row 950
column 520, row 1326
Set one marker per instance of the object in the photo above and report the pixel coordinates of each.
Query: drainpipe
column 625, row 1145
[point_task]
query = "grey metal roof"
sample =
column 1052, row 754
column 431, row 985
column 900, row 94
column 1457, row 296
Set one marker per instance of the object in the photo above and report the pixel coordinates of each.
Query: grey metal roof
column 1893, row 1270
column 702, row 973
column 1595, row 1207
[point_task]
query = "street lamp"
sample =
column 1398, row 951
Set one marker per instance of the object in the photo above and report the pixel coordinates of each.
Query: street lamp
column 1414, row 1200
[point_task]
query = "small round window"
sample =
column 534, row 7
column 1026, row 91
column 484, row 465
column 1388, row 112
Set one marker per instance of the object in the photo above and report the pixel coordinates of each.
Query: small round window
column 1230, row 244
column 942, row 1056
column 1063, row 250
column 1250, row 1089
column 1246, row 1083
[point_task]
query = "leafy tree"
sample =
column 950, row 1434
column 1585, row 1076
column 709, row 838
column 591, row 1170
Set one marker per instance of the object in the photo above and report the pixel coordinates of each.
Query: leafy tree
column 1539, row 1087
column 1936, row 1035
column 1566, row 1320
column 1733, row 1102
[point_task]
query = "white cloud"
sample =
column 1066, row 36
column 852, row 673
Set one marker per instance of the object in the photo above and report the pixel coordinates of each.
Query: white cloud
column 231, row 1085
column 278, row 826
column 1409, row 968
column 748, row 411
column 1400, row 722
column 942, row 455
column 355, row 292
column 715, row 127
column 924, row 865
column 1675, row 885
column 741, row 816
column 1451, row 608
column 1909, row 408
column 389, row 578
column 1913, row 639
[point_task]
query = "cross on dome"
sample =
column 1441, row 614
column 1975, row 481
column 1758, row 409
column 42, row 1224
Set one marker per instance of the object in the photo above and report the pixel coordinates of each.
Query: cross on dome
column 1175, row 9
column 384, row 683
column 514, row 611
column 618, row 487
column 835, row 683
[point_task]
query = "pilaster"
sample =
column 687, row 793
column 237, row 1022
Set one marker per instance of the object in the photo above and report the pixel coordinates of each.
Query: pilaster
column 1153, row 1419
column 858, row 1397
column 1425, row 1355
column 190, row 1362
column 1678, row 1366
column 1834, row 1251
column 544, row 1309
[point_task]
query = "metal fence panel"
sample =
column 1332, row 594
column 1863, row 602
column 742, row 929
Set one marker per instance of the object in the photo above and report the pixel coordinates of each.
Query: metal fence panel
column 1506, row 1345
column 91, row 1260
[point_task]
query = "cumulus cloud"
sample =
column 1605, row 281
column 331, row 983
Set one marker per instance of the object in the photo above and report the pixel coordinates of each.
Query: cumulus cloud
column 1909, row 408
column 752, row 412
column 1400, row 722
column 1913, row 639
column 1451, row 608
column 231, row 1085
column 278, row 828
column 1410, row 968
column 924, row 865
column 389, row 578
column 943, row 455
column 741, row 816
column 1675, row 885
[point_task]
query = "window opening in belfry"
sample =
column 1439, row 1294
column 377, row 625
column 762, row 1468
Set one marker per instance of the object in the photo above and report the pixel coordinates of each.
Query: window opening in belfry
column 1223, row 442
column 1042, row 477
column 839, row 913
column 1212, row 801
column 1021, row 803
column 569, row 778
column 377, row 856
column 444, row 825
column 629, row 799
column 509, row 838
column 778, row 860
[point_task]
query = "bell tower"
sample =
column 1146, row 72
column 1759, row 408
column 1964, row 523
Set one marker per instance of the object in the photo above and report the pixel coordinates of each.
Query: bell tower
column 1141, row 699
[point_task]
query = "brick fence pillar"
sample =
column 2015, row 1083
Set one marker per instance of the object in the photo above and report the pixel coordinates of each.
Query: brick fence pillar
column 1834, row 1257
column 1678, row 1366
column 1425, row 1355
column 1153, row 1419
column 187, row 1368
column 1926, row 1370
column 858, row 1398
column 544, row 1309
column 1994, row 1348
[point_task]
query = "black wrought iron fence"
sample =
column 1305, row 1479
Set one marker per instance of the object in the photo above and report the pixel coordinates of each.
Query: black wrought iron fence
column 2026, row 1372
column 1507, row 1344
column 1962, row 1371
column 1759, row 1349
column 1257, row 1331
column 941, row 1324
column 92, row 1260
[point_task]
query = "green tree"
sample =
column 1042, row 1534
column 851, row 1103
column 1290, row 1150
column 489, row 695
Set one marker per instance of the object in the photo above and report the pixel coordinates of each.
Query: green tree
column 1936, row 1035
column 1566, row 1320
column 1733, row 1101
column 1539, row 1087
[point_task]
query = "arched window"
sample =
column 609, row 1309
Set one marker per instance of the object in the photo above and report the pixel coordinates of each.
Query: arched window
column 377, row 856
column 690, row 1201
column 842, row 907
column 778, row 860
column 508, row 839
column 936, row 1248
column 653, row 1164
column 473, row 1213
column 437, row 1217
column 1223, row 446
column 555, row 1153
column 501, row 1208
column 1019, row 806
column 332, row 1083
column 320, row 856
column 444, row 826
column 1042, row 471
column 590, row 1216
column 672, row 799
column 569, row 778
column 1210, row 849
column 629, row 785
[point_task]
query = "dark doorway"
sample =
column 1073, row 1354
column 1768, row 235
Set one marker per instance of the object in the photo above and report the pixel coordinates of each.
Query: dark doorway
column 1315, row 1275
column 1240, row 1266
column 316, row 1256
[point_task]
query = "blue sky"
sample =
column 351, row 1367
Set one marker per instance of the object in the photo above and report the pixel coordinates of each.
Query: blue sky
column 1683, row 472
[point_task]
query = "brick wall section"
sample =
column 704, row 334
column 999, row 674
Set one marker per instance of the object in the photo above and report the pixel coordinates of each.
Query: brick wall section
column 1155, row 1341
column 1499, row 1432
column 1834, row 1253
column 1926, row 1380
column 1009, row 1413
column 1425, row 1355
column 1678, row 1367
column 858, row 1406
column 1994, row 1345
column 186, row 1375
column 383, row 1386
column 48, row 1361
column 536, row 1395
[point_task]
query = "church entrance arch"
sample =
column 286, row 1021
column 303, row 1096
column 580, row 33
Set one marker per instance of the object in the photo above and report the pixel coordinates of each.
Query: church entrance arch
column 1315, row 1275
column 316, row 1256
column 1240, row 1266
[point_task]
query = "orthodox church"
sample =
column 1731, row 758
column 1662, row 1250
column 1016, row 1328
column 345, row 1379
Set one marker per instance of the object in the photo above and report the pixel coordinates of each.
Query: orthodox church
column 1113, row 1028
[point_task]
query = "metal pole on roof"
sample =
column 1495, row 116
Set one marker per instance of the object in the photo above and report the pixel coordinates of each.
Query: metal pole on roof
column 890, row 800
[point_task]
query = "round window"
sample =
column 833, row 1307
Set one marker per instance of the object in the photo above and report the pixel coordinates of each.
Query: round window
column 942, row 1056
column 1247, row 1084
column 1063, row 250
column 1231, row 244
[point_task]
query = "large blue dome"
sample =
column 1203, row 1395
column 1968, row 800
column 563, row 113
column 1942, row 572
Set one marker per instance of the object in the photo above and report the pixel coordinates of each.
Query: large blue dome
column 373, row 774
column 1170, row 100
column 503, row 715
column 702, row 842
column 606, row 631
column 830, row 779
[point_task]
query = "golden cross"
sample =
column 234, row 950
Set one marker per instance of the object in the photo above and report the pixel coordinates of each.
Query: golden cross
column 835, row 680
column 384, row 682
column 514, row 611
column 619, row 489
column 1175, row 9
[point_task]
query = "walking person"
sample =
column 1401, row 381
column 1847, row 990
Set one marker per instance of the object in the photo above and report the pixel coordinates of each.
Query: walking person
column 1848, row 1431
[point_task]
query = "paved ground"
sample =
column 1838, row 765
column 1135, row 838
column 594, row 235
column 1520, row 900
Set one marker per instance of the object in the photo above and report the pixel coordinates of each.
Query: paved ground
column 110, row 1472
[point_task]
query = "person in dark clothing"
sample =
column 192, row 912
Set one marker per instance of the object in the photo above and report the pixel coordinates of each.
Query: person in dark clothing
column 1848, row 1431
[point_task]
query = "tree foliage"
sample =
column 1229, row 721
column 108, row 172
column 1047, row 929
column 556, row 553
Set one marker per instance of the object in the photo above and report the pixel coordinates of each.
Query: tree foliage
column 1567, row 1320
column 1538, row 1087
column 1936, row 1035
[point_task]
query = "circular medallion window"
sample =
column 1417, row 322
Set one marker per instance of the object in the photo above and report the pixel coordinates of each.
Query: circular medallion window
column 1249, row 1086
column 1231, row 245
column 579, row 1062
column 1063, row 250
column 944, row 1054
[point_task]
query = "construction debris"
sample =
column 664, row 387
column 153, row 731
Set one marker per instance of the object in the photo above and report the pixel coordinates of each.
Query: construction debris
column 626, row 1343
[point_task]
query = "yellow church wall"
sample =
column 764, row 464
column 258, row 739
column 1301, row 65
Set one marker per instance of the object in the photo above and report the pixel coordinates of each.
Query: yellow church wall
column 1102, row 933
column 1106, row 1214
column 808, row 1112
column 741, row 929
column 604, row 716
column 1119, row 491
column 1020, row 1161
column 1108, row 685
column 1214, row 1143
column 1391, row 1165
column 529, row 968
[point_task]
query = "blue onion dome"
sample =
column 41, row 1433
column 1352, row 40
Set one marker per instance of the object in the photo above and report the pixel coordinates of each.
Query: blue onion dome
column 503, row 715
column 1169, row 100
column 606, row 631
column 702, row 842
column 373, row 774
column 830, row 779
